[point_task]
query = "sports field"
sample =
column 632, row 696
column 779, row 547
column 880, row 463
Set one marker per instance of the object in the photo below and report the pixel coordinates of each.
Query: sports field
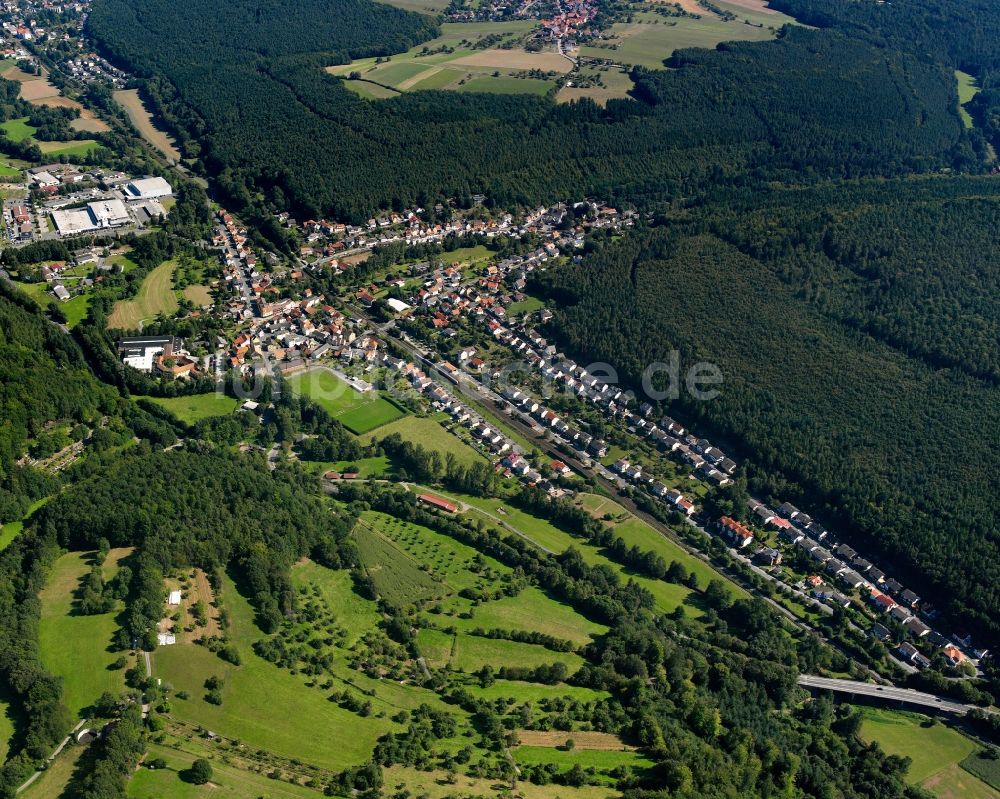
column 75, row 647
column 453, row 62
column 358, row 412
column 195, row 407
column 156, row 296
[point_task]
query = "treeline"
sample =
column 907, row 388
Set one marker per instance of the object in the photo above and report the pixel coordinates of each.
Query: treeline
column 415, row 462
column 207, row 508
column 894, row 454
column 812, row 104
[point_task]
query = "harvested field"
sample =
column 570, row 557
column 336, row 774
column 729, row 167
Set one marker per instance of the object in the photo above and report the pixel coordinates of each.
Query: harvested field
column 515, row 59
column 691, row 6
column 604, row 741
column 37, row 89
column 129, row 100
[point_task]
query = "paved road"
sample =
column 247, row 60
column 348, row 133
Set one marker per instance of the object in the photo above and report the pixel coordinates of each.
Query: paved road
column 889, row 693
column 52, row 757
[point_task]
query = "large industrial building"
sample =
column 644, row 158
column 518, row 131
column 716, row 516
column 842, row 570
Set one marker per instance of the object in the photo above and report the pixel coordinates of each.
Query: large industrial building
column 100, row 215
column 148, row 189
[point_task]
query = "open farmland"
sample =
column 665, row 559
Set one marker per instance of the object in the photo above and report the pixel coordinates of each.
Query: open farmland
column 156, row 296
column 75, row 647
column 429, row 785
column 471, row 652
column 650, row 39
column 358, row 412
column 455, row 62
column 38, row 90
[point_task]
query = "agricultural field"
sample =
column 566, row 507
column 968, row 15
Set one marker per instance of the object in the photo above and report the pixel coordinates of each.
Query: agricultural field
column 195, row 407
column 309, row 727
column 453, row 62
column 83, row 666
column 935, row 752
column 650, row 38
column 984, row 767
column 597, row 750
column 431, row 7
column 140, row 117
column 428, row 433
column 358, row 412
column 968, row 87
column 533, row 692
column 156, row 296
column 38, row 90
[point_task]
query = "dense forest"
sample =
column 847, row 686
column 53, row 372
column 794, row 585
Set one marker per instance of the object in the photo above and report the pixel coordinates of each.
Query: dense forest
column 852, row 329
column 263, row 118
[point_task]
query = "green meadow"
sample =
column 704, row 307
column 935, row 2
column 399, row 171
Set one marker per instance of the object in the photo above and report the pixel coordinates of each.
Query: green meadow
column 195, row 407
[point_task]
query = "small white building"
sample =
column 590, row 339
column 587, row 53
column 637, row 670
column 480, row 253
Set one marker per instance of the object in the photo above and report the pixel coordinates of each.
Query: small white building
column 166, row 639
column 174, row 599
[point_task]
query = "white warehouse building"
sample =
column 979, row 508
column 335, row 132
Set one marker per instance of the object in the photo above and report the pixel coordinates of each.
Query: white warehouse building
column 148, row 189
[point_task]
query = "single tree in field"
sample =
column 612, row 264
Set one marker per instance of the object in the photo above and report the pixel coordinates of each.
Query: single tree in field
column 200, row 772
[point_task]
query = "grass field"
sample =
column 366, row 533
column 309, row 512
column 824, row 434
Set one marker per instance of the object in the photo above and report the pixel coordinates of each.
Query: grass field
column 533, row 692
column 471, row 653
column 968, row 88
column 451, row 62
column 196, row 407
column 199, row 294
column 18, row 129
column 53, row 781
column 129, row 100
column 156, row 296
column 397, row 576
column 75, row 309
column 308, row 726
column 360, row 413
column 429, row 785
column 419, row 6
column 533, row 610
column 75, row 647
column 428, row 433
column 600, row 759
column 354, row 613
column 931, row 749
column 82, row 147
column 651, row 39
column 954, row 782
column 8, row 722
column 635, row 532
column 11, row 530
column 228, row 782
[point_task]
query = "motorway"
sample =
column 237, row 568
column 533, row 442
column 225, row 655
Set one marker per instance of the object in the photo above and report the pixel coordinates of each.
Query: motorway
column 888, row 693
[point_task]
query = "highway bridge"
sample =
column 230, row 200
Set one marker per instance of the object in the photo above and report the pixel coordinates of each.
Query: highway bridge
column 888, row 693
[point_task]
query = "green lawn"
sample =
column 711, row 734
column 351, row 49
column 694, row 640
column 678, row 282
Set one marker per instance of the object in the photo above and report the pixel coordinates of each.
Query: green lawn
column 76, row 647
column 968, row 87
column 55, row 148
column 8, row 171
column 533, row 610
column 506, row 85
column 360, row 413
column 428, row 432
column 18, row 129
column 195, row 407
column 370, row 91
column 304, row 723
column 930, row 748
column 228, row 782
